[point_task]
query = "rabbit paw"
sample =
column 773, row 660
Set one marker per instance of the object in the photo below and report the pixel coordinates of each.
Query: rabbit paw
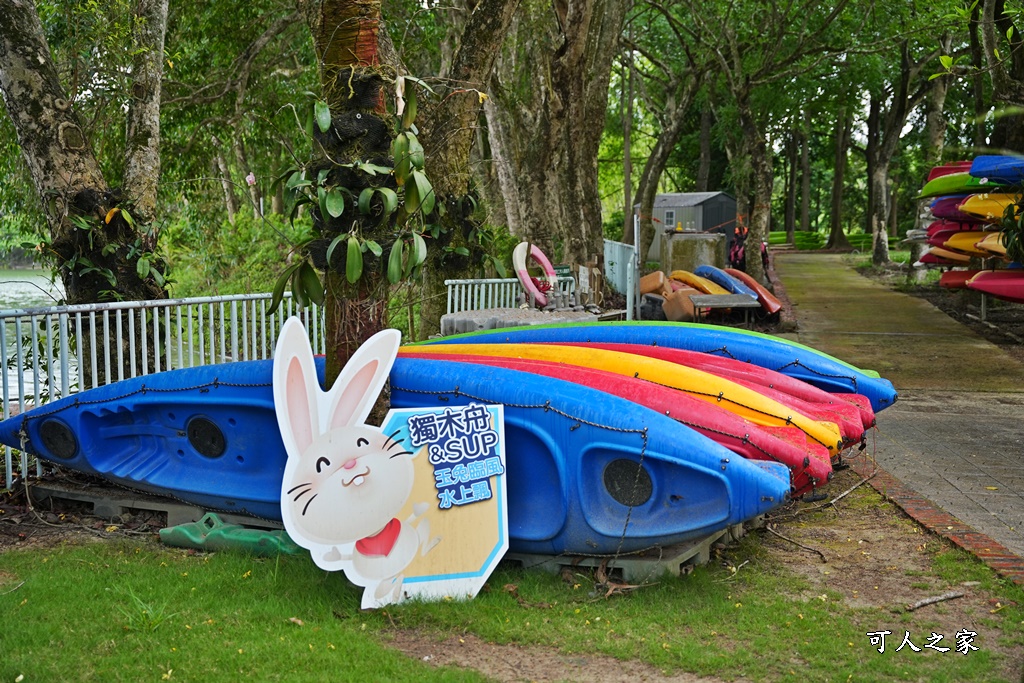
column 419, row 508
column 333, row 555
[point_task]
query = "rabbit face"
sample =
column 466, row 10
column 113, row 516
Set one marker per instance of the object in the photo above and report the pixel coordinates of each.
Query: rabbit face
column 344, row 480
column 348, row 486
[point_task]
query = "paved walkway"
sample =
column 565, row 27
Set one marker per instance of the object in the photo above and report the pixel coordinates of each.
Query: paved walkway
column 955, row 435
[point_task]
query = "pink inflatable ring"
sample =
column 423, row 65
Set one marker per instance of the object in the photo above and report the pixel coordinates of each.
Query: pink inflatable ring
column 519, row 256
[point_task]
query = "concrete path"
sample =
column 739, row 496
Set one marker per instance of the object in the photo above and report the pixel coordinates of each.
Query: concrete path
column 956, row 434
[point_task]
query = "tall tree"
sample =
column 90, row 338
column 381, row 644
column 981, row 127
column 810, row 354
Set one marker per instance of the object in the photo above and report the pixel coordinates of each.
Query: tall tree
column 891, row 103
column 769, row 44
column 1003, row 48
column 545, row 120
column 97, row 227
column 673, row 85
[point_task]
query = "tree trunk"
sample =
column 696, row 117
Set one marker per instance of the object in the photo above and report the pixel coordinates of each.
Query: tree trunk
column 672, row 125
column 844, row 126
column 879, row 181
column 142, row 170
column 95, row 231
column 552, row 127
column 978, row 80
column 704, row 163
column 627, row 163
column 792, row 157
column 347, row 38
column 226, row 184
column 448, row 134
column 805, row 173
column 935, row 118
column 761, row 188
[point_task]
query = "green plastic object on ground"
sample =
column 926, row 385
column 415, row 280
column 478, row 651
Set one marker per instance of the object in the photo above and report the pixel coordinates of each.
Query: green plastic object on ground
column 210, row 533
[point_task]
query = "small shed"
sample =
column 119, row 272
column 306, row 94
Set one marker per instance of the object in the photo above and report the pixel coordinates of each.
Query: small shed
column 691, row 212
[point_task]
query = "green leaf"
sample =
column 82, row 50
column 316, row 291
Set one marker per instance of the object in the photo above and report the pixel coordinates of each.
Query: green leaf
column 354, row 262
column 395, row 262
column 424, row 192
column 419, row 249
column 412, row 197
column 158, row 277
column 462, row 251
column 335, row 202
column 390, row 200
column 107, row 250
column 400, row 151
column 415, row 151
column 321, row 175
column 308, row 127
column 330, row 249
column 321, row 197
column 312, row 288
column 409, row 115
column 323, row 116
column 282, row 282
column 298, row 296
column 420, row 82
column 142, row 267
column 947, row 61
column 128, row 218
column 374, row 248
column 499, row 267
column 297, row 180
column 281, row 178
column 373, row 169
column 364, row 200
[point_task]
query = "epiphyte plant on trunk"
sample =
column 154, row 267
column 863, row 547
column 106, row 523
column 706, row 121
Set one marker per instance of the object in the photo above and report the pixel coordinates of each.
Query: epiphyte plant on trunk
column 354, row 202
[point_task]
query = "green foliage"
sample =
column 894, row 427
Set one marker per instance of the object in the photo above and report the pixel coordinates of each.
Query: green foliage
column 230, row 259
column 1013, row 230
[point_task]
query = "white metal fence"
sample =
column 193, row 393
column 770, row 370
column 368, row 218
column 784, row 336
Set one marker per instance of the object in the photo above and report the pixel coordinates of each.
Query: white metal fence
column 622, row 270
column 52, row 352
column 475, row 295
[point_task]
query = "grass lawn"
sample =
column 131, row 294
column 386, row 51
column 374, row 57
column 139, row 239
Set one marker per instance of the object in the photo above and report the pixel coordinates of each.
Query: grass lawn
column 129, row 609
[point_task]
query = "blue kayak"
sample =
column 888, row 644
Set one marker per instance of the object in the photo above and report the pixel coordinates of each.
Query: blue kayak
column 773, row 353
column 587, row 472
column 206, row 436
column 723, row 279
column 999, row 168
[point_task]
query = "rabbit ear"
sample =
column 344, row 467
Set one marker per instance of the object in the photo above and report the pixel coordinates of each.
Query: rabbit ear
column 362, row 379
column 295, row 388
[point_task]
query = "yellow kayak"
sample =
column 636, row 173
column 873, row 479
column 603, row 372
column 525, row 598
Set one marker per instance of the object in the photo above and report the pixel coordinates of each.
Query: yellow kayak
column 966, row 242
column 988, row 205
column 711, row 388
column 697, row 282
column 993, row 244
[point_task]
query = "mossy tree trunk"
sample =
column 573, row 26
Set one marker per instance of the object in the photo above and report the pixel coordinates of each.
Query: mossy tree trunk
column 97, row 232
column 448, row 133
column 355, row 61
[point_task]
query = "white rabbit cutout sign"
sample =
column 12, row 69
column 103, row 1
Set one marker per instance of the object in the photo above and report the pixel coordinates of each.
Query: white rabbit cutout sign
column 350, row 492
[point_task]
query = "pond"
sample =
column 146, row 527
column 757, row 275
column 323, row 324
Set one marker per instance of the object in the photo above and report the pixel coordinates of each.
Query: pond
column 25, row 288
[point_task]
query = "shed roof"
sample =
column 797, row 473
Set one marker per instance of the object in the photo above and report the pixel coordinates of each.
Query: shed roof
column 684, row 198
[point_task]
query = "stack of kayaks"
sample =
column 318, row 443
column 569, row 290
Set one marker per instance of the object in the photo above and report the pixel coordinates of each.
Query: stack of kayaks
column 676, row 289
column 760, row 396
column 619, row 436
column 970, row 200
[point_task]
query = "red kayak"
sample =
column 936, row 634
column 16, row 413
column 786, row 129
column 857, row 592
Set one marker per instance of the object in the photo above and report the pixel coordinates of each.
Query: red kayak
column 769, row 303
column 957, row 279
column 953, row 226
column 809, row 463
column 946, row 169
column 1002, row 284
column 854, row 409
